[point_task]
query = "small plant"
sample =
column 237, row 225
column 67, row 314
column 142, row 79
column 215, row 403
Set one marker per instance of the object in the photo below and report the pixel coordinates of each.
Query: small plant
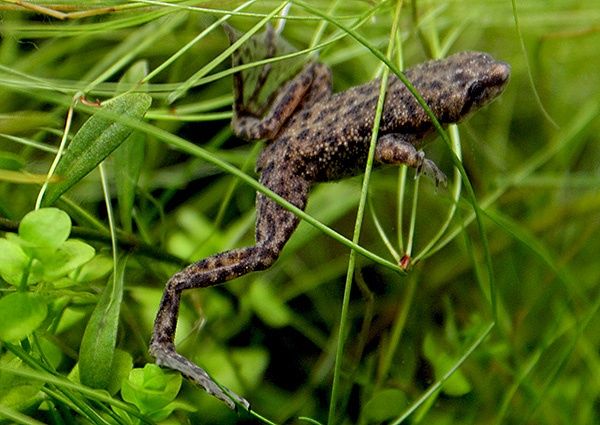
column 36, row 259
column 41, row 262
column 153, row 391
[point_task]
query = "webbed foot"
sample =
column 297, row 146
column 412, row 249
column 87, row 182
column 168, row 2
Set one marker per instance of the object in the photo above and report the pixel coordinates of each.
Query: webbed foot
column 428, row 168
column 173, row 360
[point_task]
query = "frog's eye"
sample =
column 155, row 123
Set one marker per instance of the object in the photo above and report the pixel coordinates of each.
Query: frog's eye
column 476, row 91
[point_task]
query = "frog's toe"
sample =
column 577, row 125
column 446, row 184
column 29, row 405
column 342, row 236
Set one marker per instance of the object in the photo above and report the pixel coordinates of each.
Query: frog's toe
column 431, row 170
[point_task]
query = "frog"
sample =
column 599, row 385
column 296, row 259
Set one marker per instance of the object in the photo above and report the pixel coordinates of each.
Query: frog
column 314, row 135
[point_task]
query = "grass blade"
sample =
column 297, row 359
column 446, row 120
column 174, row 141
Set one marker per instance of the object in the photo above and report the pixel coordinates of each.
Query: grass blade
column 100, row 336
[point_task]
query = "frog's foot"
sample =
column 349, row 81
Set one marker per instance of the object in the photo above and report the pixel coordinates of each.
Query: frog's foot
column 168, row 357
column 398, row 149
column 432, row 171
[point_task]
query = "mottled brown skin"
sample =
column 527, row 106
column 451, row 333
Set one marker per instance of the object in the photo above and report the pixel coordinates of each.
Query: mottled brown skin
column 312, row 136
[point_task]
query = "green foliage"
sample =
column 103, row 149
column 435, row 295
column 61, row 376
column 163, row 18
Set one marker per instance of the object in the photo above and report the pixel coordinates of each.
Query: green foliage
column 153, row 392
column 457, row 385
column 39, row 253
column 384, row 405
column 268, row 306
column 97, row 350
column 21, row 314
column 17, row 392
column 96, row 139
column 122, row 110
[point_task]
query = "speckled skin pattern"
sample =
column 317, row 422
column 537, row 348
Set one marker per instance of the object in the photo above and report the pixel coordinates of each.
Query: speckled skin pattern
column 312, row 136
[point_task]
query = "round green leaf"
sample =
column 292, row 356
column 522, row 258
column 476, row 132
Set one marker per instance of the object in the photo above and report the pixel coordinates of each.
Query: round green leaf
column 98, row 267
column 384, row 405
column 151, row 388
column 46, row 227
column 13, row 261
column 67, row 257
column 21, row 313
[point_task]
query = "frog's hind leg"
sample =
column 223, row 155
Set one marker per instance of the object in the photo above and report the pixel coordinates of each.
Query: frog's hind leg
column 247, row 53
column 274, row 226
column 399, row 149
column 286, row 102
column 270, row 42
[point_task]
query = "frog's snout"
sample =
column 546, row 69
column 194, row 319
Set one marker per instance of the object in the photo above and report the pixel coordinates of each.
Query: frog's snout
column 500, row 73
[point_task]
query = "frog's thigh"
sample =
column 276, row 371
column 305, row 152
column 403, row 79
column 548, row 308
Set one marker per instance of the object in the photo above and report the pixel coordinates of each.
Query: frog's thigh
column 275, row 224
column 398, row 149
column 252, row 128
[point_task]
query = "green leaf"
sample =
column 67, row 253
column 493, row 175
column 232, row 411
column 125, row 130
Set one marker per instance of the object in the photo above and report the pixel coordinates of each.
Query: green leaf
column 129, row 157
column 128, row 165
column 96, row 139
column 152, row 391
column 239, row 369
column 13, row 261
column 10, row 161
column 97, row 268
column 67, row 257
column 121, row 367
column 99, row 339
column 134, row 74
column 384, row 405
column 457, row 385
column 21, row 313
column 267, row 305
column 46, row 227
column 251, row 364
column 18, row 122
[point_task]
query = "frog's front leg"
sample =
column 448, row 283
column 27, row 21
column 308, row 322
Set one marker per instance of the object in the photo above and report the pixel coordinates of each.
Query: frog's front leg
column 399, row 149
column 313, row 83
column 274, row 226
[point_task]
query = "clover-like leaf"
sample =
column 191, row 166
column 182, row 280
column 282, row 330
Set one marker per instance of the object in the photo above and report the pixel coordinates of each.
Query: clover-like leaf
column 46, row 227
column 70, row 255
column 13, row 261
column 153, row 390
column 21, row 313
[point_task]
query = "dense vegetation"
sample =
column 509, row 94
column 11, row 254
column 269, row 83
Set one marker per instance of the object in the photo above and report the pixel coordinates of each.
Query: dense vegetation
column 493, row 321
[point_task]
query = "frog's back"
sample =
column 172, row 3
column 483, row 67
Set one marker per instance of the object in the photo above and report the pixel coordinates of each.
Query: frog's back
column 329, row 139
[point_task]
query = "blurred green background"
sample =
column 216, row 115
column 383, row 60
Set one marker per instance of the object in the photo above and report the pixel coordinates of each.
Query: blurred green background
column 520, row 333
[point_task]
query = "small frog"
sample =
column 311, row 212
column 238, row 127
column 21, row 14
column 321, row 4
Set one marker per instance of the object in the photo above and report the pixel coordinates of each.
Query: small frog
column 313, row 135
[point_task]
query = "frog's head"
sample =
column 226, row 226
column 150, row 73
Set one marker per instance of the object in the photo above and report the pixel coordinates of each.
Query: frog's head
column 460, row 84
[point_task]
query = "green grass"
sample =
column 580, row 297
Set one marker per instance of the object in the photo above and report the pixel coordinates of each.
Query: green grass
column 496, row 321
